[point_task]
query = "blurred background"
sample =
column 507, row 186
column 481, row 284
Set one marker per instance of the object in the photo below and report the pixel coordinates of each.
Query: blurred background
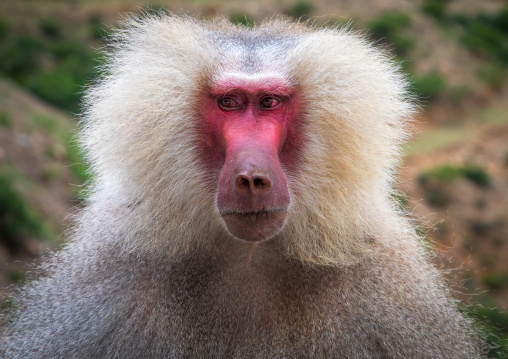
column 453, row 181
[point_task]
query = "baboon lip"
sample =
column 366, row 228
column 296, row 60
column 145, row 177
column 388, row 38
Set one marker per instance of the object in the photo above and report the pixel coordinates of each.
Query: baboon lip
column 252, row 213
column 254, row 226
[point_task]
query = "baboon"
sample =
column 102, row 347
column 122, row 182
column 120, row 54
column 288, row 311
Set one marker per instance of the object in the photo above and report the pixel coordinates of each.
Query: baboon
column 242, row 206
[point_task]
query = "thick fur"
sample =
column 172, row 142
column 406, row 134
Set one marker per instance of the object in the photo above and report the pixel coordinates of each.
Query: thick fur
column 151, row 271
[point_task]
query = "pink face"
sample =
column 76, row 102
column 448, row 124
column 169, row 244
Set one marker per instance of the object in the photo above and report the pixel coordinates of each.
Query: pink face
column 248, row 121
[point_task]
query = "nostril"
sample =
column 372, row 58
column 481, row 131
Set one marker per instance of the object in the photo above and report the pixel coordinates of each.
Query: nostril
column 247, row 185
column 258, row 182
column 262, row 184
column 244, row 182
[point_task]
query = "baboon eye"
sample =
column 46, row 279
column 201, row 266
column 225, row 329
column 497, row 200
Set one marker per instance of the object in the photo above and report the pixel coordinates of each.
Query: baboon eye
column 228, row 103
column 268, row 102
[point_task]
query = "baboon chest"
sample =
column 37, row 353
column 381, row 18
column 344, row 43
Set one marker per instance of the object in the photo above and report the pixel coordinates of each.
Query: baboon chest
column 232, row 311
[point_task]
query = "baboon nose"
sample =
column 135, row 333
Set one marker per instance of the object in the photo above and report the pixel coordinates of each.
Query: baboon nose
column 252, row 184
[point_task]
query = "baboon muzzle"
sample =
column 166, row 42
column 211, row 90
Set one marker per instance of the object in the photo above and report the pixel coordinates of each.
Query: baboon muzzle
column 253, row 196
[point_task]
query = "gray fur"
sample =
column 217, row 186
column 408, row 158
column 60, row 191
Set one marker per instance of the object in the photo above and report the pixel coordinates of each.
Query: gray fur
column 151, row 272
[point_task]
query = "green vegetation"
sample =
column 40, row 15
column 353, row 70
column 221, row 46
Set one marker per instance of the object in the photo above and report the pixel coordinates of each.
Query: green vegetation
column 76, row 159
column 438, row 197
column 50, row 173
column 400, row 200
column 393, row 29
column 446, row 173
column 98, row 30
column 429, row 85
column 17, row 219
column 5, row 121
column 485, row 35
column 459, row 93
column 436, row 181
column 494, row 323
column 16, row 276
column 435, row 8
column 496, row 281
column 50, row 27
column 450, row 173
column 390, row 28
column 434, row 140
column 476, row 174
column 492, row 74
column 49, row 151
column 242, row 19
column 52, row 64
column 154, row 10
column 4, row 29
column 301, row 10
column 46, row 122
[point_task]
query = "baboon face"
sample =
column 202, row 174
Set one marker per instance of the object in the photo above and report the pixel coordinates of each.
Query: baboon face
column 277, row 133
column 248, row 120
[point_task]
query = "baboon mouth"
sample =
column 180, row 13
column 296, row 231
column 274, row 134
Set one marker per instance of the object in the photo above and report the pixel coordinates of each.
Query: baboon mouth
column 254, row 226
column 262, row 212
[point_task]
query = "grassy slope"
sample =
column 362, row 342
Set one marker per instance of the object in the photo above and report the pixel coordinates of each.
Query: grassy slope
column 467, row 221
column 35, row 159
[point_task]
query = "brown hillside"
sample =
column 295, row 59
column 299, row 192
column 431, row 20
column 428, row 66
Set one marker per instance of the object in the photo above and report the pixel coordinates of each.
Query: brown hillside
column 467, row 221
column 34, row 158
